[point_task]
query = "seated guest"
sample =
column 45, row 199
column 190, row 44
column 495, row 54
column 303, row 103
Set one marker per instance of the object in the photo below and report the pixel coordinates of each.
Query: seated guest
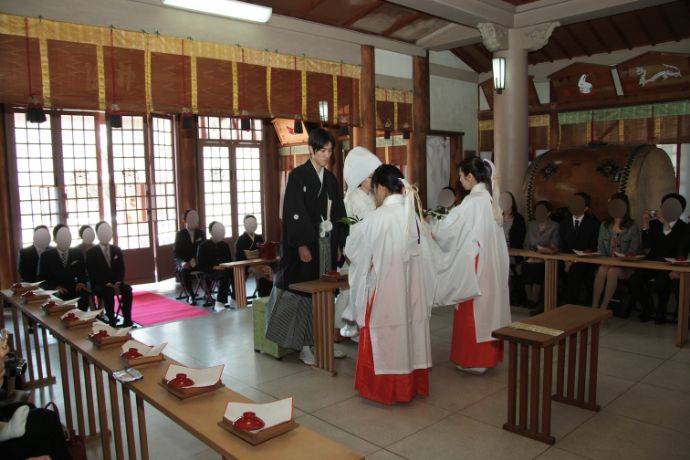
column 106, row 269
column 87, row 236
column 665, row 235
column 63, row 269
column 186, row 245
column 211, row 254
column 247, row 242
column 618, row 234
column 542, row 236
column 514, row 230
column 579, row 231
column 28, row 256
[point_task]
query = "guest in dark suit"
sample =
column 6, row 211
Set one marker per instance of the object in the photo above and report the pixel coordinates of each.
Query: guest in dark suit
column 515, row 229
column 578, row 231
column 665, row 235
column 28, row 256
column 106, row 269
column 63, row 268
column 186, row 246
column 248, row 242
column 211, row 254
column 87, row 236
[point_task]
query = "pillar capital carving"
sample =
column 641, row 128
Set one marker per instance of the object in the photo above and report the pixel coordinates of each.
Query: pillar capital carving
column 494, row 36
column 534, row 37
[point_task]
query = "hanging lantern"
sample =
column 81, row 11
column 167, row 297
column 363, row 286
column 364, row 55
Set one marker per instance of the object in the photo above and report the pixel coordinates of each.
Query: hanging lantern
column 406, row 131
column 245, row 122
column 187, row 118
column 387, row 130
column 34, row 112
column 114, row 116
column 297, row 128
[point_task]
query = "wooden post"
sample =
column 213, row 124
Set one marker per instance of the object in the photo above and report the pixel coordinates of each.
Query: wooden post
column 8, row 272
column 270, row 170
column 416, row 145
column 455, row 159
column 366, row 135
column 187, row 177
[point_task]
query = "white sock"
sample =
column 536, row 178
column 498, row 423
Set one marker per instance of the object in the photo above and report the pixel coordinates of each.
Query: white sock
column 16, row 427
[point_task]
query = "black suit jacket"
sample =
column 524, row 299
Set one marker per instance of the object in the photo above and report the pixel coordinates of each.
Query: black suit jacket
column 51, row 269
column 245, row 243
column 185, row 249
column 586, row 237
column 211, row 254
column 28, row 264
column 517, row 232
column 99, row 272
column 672, row 245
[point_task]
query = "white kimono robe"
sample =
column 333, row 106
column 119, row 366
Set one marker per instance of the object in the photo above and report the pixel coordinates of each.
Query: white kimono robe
column 360, row 204
column 469, row 230
column 396, row 276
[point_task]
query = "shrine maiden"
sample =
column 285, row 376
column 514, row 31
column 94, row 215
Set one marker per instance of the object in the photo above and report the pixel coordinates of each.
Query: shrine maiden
column 471, row 235
column 392, row 242
column 359, row 166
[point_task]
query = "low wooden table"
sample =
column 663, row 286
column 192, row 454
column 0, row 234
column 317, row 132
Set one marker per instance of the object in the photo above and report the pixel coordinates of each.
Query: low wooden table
column 551, row 280
column 240, row 276
column 323, row 319
column 574, row 321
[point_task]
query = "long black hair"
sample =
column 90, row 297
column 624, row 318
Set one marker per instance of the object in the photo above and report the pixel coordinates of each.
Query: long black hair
column 479, row 169
column 388, row 176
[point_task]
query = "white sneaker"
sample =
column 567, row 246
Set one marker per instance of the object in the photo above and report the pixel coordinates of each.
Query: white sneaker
column 349, row 330
column 307, row 356
column 339, row 354
column 473, row 370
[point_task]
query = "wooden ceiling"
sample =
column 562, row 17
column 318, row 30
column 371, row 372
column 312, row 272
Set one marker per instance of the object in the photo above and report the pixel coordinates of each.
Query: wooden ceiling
column 649, row 26
column 376, row 17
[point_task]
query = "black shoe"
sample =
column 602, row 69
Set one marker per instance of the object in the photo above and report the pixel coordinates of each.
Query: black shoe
column 191, row 300
column 126, row 324
column 209, row 303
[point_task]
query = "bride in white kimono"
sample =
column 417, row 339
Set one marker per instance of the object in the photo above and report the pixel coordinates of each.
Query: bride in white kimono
column 397, row 291
column 472, row 241
column 359, row 166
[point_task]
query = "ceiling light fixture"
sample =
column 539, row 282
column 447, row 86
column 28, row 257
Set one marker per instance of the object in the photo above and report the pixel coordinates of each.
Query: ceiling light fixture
column 228, row 8
column 499, row 71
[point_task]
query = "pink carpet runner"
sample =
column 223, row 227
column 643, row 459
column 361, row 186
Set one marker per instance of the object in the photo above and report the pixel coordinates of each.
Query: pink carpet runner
column 149, row 309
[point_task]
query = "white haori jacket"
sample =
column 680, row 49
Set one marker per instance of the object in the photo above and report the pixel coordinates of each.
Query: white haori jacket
column 470, row 229
column 397, row 279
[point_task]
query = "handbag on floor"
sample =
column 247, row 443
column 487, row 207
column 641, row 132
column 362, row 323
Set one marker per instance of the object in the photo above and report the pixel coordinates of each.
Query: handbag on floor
column 75, row 442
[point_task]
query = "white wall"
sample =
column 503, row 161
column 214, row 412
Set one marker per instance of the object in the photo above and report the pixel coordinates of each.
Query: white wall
column 454, row 107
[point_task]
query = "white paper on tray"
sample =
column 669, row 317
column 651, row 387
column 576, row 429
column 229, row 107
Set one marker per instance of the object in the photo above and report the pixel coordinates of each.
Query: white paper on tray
column 583, row 253
column 145, row 350
column 32, row 285
column 636, row 256
column 113, row 332
column 273, row 413
column 674, row 261
column 202, row 377
column 65, row 302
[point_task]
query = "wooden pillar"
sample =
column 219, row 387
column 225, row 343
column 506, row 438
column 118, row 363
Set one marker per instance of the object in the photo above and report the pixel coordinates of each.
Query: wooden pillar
column 416, row 145
column 554, row 131
column 338, row 157
column 8, row 269
column 188, row 176
column 366, row 135
column 455, row 159
column 270, row 171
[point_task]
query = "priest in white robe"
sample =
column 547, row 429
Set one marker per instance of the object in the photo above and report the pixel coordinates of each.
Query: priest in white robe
column 359, row 166
column 472, row 243
column 393, row 243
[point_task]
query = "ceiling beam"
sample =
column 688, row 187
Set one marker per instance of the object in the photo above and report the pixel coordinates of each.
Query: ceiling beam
column 481, row 55
column 467, row 59
column 361, row 13
column 306, row 11
column 644, row 28
column 560, row 46
column 598, row 37
column 668, row 23
column 577, row 40
column 620, row 34
column 402, row 22
column 546, row 53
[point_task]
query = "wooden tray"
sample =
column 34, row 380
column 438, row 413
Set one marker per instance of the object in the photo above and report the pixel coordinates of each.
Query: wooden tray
column 143, row 361
column 57, row 309
column 327, row 277
column 186, row 393
column 110, row 340
column 257, row 437
column 78, row 323
column 36, row 300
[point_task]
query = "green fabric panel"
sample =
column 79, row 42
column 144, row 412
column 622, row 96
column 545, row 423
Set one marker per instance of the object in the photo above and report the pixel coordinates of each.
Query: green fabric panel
column 669, row 109
column 571, row 118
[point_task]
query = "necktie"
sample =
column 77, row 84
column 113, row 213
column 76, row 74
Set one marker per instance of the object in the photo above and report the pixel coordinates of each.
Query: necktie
column 106, row 253
column 64, row 255
column 577, row 225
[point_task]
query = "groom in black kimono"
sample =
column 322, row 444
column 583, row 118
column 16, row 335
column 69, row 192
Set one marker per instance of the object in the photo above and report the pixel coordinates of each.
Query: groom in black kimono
column 312, row 241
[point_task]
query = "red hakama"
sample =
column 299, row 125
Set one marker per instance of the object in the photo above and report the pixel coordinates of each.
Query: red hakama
column 464, row 349
column 385, row 388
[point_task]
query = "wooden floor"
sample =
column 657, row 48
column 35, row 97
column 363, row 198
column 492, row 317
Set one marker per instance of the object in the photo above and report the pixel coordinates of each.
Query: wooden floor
column 643, row 391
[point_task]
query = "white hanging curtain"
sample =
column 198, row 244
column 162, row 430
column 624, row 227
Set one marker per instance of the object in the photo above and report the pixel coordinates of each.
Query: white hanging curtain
column 437, row 168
